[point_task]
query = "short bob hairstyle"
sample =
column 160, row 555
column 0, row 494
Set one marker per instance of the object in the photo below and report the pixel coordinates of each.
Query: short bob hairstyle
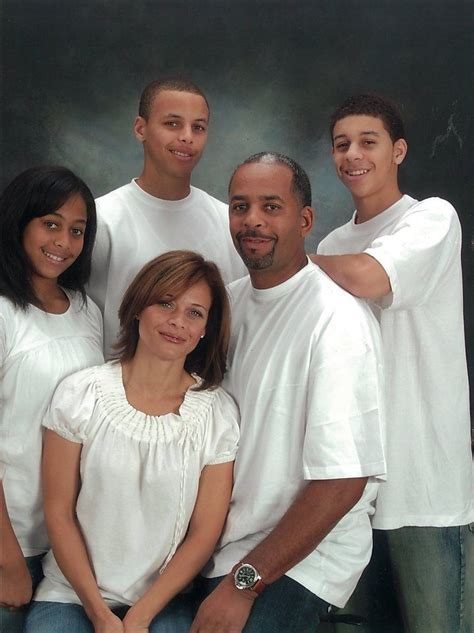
column 33, row 194
column 168, row 275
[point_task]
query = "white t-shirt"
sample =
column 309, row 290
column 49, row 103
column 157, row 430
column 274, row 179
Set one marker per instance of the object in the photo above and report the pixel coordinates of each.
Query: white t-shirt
column 305, row 370
column 429, row 480
column 134, row 227
column 37, row 350
column 139, row 477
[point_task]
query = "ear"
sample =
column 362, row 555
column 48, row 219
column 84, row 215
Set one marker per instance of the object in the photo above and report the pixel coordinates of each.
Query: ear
column 307, row 220
column 139, row 128
column 400, row 149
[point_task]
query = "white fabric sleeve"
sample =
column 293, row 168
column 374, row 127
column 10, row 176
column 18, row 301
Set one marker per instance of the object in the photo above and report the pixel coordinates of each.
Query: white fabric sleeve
column 97, row 285
column 71, row 409
column 418, row 252
column 3, row 353
column 345, row 412
column 222, row 432
column 96, row 315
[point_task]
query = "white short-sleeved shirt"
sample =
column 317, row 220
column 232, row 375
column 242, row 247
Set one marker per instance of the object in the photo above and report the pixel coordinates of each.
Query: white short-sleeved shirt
column 139, row 477
column 37, row 350
column 133, row 227
column 429, row 459
column 305, row 370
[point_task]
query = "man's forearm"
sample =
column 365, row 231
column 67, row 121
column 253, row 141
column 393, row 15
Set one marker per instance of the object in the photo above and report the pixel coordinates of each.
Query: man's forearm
column 313, row 514
column 359, row 274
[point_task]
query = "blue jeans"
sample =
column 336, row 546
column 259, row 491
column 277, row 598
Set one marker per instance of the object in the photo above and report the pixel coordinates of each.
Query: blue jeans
column 284, row 607
column 433, row 571
column 13, row 621
column 59, row 617
column 430, row 572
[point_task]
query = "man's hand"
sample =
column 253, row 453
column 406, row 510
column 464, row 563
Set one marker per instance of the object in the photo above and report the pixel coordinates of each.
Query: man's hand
column 15, row 584
column 225, row 610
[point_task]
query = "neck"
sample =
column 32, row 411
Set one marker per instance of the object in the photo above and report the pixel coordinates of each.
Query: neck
column 271, row 277
column 164, row 187
column 369, row 207
column 51, row 298
column 152, row 374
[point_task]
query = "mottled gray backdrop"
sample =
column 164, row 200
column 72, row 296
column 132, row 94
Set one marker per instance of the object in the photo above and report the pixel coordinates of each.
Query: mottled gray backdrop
column 72, row 72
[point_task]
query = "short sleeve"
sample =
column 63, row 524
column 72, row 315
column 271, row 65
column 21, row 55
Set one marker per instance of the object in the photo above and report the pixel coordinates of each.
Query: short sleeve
column 3, row 353
column 345, row 410
column 3, row 339
column 71, row 410
column 222, row 432
column 417, row 253
column 97, row 285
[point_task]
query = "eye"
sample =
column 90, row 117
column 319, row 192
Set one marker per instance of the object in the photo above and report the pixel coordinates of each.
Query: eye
column 77, row 232
column 50, row 224
column 272, row 207
column 196, row 314
column 239, row 208
column 164, row 304
column 341, row 146
column 171, row 123
column 199, row 128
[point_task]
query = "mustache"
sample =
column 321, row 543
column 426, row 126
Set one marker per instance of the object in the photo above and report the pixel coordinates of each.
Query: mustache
column 253, row 233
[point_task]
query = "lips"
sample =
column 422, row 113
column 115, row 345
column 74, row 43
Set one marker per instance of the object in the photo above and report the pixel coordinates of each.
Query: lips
column 355, row 173
column 182, row 155
column 253, row 237
column 57, row 259
column 172, row 338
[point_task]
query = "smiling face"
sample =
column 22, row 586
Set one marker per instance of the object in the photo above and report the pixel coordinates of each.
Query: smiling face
column 54, row 241
column 171, row 328
column 174, row 134
column 267, row 222
column 366, row 160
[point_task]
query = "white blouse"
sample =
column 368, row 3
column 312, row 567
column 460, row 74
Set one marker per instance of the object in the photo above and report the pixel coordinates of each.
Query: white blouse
column 139, row 477
column 37, row 350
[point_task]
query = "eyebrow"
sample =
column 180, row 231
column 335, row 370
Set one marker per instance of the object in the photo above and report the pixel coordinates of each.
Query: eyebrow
column 264, row 198
column 79, row 220
column 367, row 132
column 179, row 116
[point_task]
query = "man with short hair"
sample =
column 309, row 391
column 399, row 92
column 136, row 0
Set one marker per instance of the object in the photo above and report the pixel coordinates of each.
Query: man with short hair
column 305, row 372
column 160, row 210
column 404, row 257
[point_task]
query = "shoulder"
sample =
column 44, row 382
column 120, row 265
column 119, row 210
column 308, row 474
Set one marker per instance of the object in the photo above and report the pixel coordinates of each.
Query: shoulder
column 8, row 308
column 79, row 382
column 212, row 203
column 111, row 203
column 433, row 208
column 84, row 309
column 238, row 287
column 335, row 235
column 429, row 221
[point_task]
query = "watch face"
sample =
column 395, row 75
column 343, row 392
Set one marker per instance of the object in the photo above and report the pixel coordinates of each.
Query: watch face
column 245, row 576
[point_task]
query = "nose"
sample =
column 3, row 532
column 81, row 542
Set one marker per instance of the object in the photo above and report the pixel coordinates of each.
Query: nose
column 354, row 152
column 62, row 240
column 176, row 318
column 186, row 134
column 253, row 218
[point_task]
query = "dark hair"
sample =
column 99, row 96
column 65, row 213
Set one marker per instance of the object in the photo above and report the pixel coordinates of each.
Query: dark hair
column 173, row 83
column 33, row 193
column 371, row 105
column 171, row 274
column 300, row 185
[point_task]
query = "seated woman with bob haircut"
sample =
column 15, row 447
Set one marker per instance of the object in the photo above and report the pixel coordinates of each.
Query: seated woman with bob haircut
column 138, row 460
